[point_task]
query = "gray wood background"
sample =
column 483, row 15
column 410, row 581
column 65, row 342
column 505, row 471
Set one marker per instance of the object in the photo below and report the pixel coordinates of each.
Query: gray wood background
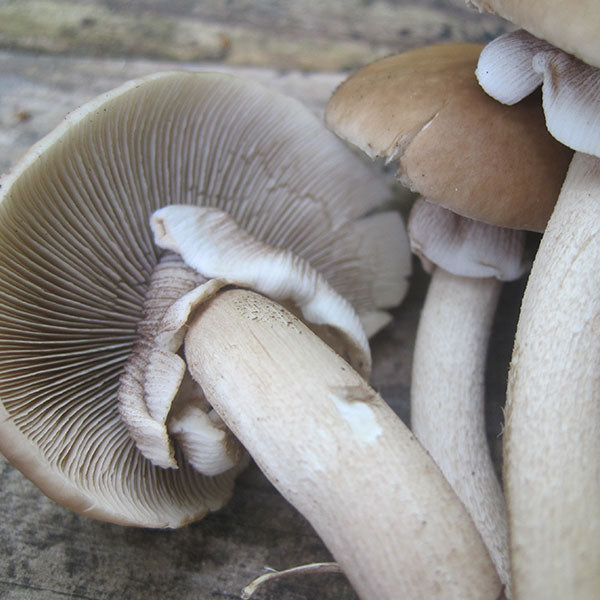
column 55, row 55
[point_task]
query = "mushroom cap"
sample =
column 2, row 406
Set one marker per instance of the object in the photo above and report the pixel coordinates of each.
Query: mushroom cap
column 454, row 144
column 465, row 247
column 77, row 255
column 571, row 26
column 511, row 66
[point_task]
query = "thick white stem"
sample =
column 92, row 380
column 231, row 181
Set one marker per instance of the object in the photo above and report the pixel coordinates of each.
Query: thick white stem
column 552, row 439
column 448, row 394
column 338, row 453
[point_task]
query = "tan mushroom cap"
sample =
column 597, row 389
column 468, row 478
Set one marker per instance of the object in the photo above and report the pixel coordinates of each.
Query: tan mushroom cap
column 77, row 256
column 454, row 144
column 572, row 26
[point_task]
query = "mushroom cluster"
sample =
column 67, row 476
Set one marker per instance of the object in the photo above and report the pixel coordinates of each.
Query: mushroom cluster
column 552, row 438
column 464, row 154
column 415, row 110
column 190, row 268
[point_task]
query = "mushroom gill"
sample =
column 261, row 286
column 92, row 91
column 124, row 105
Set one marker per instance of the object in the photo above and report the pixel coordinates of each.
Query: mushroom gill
column 77, row 256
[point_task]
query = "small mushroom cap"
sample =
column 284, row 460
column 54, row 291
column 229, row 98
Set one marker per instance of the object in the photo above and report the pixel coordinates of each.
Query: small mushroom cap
column 454, row 144
column 465, row 247
column 571, row 26
column 505, row 66
column 511, row 66
column 77, row 256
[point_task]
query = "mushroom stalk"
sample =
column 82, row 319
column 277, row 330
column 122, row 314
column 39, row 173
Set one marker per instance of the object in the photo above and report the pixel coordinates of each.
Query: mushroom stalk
column 448, row 396
column 552, row 439
column 316, row 429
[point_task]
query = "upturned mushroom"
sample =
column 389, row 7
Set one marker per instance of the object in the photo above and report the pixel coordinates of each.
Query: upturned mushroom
column 552, row 436
column 138, row 244
column 478, row 166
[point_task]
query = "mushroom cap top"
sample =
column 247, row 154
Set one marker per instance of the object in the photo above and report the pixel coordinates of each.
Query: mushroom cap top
column 454, row 144
column 571, row 26
column 77, row 256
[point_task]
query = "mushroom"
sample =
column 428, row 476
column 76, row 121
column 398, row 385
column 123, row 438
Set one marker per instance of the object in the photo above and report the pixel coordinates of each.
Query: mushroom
column 465, row 153
column 138, row 244
column 552, row 439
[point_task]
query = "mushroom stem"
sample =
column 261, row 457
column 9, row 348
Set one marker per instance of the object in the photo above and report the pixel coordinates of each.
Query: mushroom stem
column 337, row 452
column 448, row 395
column 552, row 439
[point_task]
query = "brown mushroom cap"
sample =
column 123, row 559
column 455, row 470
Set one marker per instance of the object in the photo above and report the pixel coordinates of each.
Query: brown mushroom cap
column 77, row 255
column 454, row 144
column 572, row 26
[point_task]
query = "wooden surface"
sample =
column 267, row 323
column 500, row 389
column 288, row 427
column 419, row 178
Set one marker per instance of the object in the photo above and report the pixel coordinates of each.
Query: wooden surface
column 56, row 55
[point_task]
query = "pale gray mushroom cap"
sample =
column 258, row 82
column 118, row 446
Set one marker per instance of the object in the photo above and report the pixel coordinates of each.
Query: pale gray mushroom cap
column 512, row 66
column 77, row 254
column 465, row 247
